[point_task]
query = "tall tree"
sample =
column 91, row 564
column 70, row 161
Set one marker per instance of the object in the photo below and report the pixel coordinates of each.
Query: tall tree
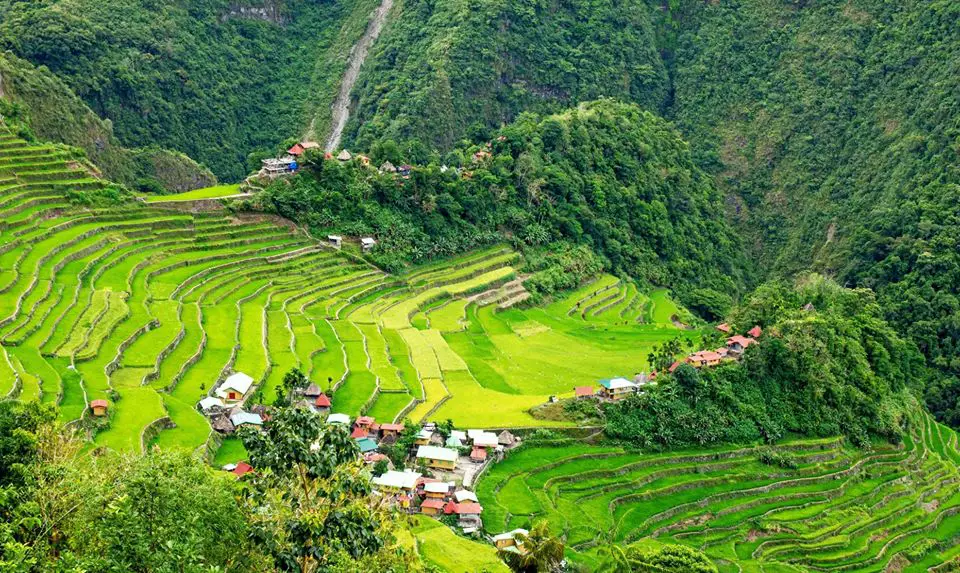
column 540, row 551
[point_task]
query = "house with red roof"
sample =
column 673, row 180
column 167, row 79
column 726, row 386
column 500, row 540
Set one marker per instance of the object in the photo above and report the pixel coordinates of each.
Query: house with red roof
column 584, row 391
column 478, row 454
column 391, row 429
column 99, row 407
column 755, row 332
column 704, row 358
column 431, row 506
column 674, row 366
column 358, row 433
column 322, row 402
column 297, row 150
column 724, row 328
column 242, row 469
column 737, row 344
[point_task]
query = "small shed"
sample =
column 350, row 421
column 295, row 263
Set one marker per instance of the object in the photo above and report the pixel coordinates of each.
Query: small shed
column 724, row 328
column 336, row 241
column 99, row 407
column 312, row 391
column 242, row 469
column 338, row 419
column 367, row 243
column 755, row 332
column 250, row 419
column 465, row 495
column 506, row 439
column 344, row 156
column 388, row 167
column 507, row 541
column 322, row 402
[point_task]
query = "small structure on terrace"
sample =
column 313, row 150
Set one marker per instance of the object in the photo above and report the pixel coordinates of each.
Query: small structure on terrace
column 367, row 243
column 235, row 387
column 99, row 407
column 617, row 388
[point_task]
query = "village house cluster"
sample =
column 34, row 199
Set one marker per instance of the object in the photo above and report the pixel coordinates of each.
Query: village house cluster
column 735, row 345
column 614, row 389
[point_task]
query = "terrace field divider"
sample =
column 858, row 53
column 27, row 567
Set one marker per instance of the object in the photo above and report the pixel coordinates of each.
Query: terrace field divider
column 343, row 351
column 155, row 373
column 196, row 355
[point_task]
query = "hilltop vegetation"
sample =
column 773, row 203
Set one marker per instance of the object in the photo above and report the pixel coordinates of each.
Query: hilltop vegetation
column 606, row 175
column 835, row 369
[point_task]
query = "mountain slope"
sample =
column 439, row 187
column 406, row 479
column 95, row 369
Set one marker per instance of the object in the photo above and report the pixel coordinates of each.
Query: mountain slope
column 836, row 126
column 36, row 102
column 445, row 69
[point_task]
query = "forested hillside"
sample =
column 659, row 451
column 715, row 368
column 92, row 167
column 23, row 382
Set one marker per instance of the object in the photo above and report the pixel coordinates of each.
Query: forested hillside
column 834, row 127
column 447, row 69
column 606, row 175
column 215, row 79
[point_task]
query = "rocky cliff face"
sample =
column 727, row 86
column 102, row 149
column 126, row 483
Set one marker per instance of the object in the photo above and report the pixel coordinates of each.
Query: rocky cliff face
column 267, row 10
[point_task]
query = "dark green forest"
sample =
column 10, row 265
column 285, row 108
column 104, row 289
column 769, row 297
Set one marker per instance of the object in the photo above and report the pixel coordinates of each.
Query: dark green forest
column 444, row 70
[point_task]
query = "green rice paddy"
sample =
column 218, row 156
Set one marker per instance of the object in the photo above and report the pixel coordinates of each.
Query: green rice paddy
column 838, row 510
column 150, row 308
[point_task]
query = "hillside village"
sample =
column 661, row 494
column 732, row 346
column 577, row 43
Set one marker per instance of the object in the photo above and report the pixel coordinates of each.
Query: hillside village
column 441, row 464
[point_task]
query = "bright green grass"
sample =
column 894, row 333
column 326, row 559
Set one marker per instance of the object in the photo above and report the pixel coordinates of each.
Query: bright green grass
column 127, row 423
column 191, row 428
column 205, row 193
column 449, row 317
column 231, row 451
column 8, row 376
column 388, row 405
column 447, row 551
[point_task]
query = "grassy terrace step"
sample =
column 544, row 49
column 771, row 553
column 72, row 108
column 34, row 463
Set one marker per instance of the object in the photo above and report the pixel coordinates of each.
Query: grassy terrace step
column 840, row 509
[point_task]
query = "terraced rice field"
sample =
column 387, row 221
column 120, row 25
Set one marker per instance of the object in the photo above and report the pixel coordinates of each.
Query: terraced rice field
column 893, row 508
column 150, row 307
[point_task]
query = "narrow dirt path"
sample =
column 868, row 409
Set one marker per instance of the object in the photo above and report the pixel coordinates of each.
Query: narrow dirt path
column 341, row 106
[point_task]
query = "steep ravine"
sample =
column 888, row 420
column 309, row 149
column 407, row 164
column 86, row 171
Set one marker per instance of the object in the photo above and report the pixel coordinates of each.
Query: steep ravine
column 341, row 106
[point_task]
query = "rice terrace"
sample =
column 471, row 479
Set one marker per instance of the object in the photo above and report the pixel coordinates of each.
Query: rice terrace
column 149, row 308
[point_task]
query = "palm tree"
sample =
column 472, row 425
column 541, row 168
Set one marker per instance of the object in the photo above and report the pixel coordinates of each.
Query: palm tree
column 616, row 561
column 539, row 552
